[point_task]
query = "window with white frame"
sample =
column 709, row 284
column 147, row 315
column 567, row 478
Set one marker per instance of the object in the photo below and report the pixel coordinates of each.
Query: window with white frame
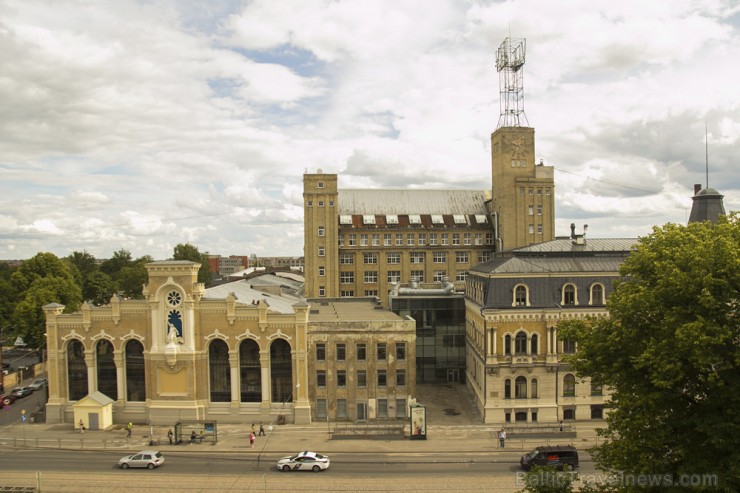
column 445, row 239
column 387, row 239
column 345, row 219
column 393, row 257
column 461, row 275
column 433, row 239
column 322, row 291
column 371, row 276
column 440, row 257
column 399, row 239
column 376, row 240
column 363, row 239
column 340, row 239
column 346, row 277
column 417, row 257
column 410, row 239
column 489, row 238
column 322, row 251
column 321, row 231
column 478, row 239
column 539, row 210
column 368, row 219
column 484, row 256
column 352, row 240
column 422, row 239
column 346, row 258
column 530, row 210
column 370, row 258
column 371, row 292
column 455, row 238
column 346, row 293
column 597, row 294
column 467, row 239
column 418, row 275
column 569, row 385
column 569, row 295
column 394, row 276
column 462, row 257
column 322, row 271
column 439, row 275
column 521, row 295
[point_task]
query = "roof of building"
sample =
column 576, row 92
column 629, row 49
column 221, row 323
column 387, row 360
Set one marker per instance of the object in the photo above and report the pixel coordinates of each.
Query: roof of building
column 386, row 201
column 349, row 309
column 567, row 245
column 248, row 292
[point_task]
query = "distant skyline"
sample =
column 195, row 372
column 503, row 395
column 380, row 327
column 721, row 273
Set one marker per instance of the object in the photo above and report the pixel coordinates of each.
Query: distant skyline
column 140, row 125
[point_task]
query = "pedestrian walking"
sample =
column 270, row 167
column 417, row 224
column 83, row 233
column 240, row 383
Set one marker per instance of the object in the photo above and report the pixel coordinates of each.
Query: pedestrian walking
column 262, row 429
column 193, row 436
column 502, row 438
column 82, row 427
column 170, row 435
column 251, row 439
column 129, row 427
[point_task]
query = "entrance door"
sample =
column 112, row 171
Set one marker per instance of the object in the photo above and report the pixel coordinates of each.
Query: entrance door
column 92, row 422
column 453, row 375
column 361, row 411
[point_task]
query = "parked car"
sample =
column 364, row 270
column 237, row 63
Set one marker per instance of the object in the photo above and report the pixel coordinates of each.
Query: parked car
column 146, row 458
column 19, row 392
column 304, row 461
column 7, row 399
column 559, row 456
column 39, row 383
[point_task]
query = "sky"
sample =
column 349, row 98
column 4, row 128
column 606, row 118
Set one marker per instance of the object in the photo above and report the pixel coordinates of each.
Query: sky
column 140, row 125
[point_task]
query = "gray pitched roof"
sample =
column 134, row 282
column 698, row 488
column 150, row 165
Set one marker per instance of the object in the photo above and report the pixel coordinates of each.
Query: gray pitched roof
column 385, row 201
column 247, row 295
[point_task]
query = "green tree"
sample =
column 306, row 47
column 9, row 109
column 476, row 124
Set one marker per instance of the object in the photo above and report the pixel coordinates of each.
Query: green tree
column 41, row 280
column 99, row 288
column 131, row 280
column 83, row 263
column 190, row 252
column 119, row 260
column 670, row 352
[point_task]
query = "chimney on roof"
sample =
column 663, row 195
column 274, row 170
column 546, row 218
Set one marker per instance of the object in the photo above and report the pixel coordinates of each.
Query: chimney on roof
column 697, row 188
column 572, row 231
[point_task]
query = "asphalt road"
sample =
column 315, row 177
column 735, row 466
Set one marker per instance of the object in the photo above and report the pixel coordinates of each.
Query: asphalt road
column 93, row 471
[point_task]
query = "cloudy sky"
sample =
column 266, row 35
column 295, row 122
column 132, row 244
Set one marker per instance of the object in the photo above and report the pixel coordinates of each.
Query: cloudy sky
column 144, row 124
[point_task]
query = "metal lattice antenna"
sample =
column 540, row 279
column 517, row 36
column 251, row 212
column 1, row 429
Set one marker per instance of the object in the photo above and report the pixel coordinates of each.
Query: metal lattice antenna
column 510, row 66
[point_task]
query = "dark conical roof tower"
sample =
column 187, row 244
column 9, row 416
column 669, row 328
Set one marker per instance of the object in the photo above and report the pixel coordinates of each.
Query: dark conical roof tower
column 708, row 205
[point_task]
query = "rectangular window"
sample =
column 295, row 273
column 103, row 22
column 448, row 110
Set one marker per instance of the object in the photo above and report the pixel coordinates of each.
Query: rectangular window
column 346, row 277
column 484, row 256
column 321, row 378
column 422, row 239
column 539, row 229
column 467, row 239
column 439, row 275
column 547, row 191
column 363, row 239
column 387, row 239
column 346, row 293
column 320, row 184
column 393, row 257
column 462, row 257
column 346, row 258
column 376, row 240
column 322, row 291
column 400, row 378
column 410, row 240
column 489, row 238
column 321, row 203
column 371, row 292
column 322, row 250
column 401, row 351
column 400, row 408
column 440, row 257
column 361, row 379
column 445, row 239
column 382, row 378
column 341, row 408
column 539, row 210
column 531, row 229
column 341, row 379
column 381, row 351
column 418, row 275
column 478, row 239
column 320, row 351
column 461, row 275
column 371, row 276
column 569, row 346
column 321, row 408
column 530, row 191
column 433, row 239
column 382, row 408
column 352, row 240
column 455, row 238
column 361, row 352
column 341, row 240
column 370, row 257
column 321, row 231
column 310, row 203
column 417, row 257
column 322, row 271
column 394, row 276
column 539, row 191
column 341, row 352
column 399, row 240
column 530, row 210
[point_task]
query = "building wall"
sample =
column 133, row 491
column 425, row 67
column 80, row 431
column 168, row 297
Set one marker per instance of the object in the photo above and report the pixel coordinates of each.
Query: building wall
column 523, row 191
column 177, row 368
column 321, row 251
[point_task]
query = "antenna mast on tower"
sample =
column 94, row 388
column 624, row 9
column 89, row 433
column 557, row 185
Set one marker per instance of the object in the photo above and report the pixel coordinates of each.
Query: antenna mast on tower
column 510, row 67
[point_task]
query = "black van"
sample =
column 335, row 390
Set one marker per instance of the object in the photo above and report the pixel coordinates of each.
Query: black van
column 558, row 456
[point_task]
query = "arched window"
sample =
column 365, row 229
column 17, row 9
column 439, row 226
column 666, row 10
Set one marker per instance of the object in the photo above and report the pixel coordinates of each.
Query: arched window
column 507, row 389
column 281, row 371
column 76, row 370
column 533, row 388
column 535, row 344
column 520, row 343
column 597, row 294
column 135, row 374
column 106, row 367
column 520, row 295
column 520, row 388
column 507, row 344
column 569, row 385
column 250, row 376
column 569, row 295
column 219, row 372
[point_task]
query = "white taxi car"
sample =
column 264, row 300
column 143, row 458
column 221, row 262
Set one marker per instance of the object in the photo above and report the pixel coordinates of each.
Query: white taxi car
column 304, row 461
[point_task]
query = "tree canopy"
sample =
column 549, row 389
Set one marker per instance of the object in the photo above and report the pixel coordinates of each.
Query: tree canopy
column 189, row 252
column 669, row 351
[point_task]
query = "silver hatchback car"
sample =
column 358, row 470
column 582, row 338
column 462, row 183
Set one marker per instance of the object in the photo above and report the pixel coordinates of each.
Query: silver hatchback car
column 146, row 458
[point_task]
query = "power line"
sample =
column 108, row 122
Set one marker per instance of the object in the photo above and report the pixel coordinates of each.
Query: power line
column 654, row 192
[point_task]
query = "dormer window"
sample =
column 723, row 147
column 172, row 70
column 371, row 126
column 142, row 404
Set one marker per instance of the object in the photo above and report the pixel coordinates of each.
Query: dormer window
column 521, row 295
column 569, row 295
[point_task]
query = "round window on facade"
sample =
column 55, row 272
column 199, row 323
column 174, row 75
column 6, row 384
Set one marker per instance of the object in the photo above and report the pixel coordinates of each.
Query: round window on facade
column 174, row 298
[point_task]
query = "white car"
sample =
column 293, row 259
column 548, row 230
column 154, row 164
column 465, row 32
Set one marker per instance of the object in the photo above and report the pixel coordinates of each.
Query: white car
column 146, row 458
column 304, row 461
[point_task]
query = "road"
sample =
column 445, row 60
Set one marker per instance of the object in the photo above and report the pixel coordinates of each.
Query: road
column 30, row 403
column 96, row 471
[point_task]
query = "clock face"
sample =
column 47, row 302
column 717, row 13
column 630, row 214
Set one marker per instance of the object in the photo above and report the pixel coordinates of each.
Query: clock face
column 174, row 298
column 518, row 148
